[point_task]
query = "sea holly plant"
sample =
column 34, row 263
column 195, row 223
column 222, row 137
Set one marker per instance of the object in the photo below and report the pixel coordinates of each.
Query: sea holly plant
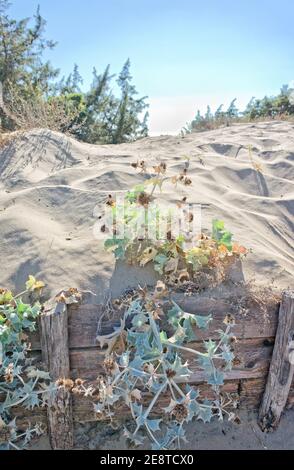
column 140, row 232
column 153, row 365
column 21, row 383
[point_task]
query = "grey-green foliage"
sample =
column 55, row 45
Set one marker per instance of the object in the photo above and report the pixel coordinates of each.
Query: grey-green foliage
column 21, row 383
column 153, row 362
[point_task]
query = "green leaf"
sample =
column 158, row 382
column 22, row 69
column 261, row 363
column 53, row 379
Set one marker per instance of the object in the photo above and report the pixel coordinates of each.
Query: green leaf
column 210, row 347
column 139, row 320
column 222, row 236
column 203, row 321
column 36, row 373
column 117, row 245
column 180, row 369
column 6, row 297
column 153, row 424
column 174, row 315
column 163, row 336
column 204, row 414
column 216, row 378
column 160, row 261
column 179, row 336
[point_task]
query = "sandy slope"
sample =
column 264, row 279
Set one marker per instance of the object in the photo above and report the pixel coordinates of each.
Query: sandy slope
column 50, row 185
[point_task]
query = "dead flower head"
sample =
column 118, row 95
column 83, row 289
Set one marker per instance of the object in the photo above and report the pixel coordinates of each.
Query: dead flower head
column 110, row 201
column 179, row 412
column 79, row 382
column 68, row 384
column 161, row 168
column 187, row 181
column 5, row 434
column 61, row 298
column 141, row 165
column 144, row 199
column 109, row 365
column 170, row 373
column 9, row 373
column 229, row 319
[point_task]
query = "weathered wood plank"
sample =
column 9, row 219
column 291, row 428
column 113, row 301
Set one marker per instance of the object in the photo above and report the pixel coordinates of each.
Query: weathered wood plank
column 252, row 321
column 248, row 391
column 252, row 360
column 282, row 367
column 54, row 340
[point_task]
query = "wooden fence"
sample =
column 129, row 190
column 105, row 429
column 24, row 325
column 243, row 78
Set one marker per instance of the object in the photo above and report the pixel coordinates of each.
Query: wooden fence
column 67, row 343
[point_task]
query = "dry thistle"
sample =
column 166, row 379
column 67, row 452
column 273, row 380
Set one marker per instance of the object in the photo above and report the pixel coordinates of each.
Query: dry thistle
column 109, row 365
column 144, row 199
column 179, row 412
column 9, row 375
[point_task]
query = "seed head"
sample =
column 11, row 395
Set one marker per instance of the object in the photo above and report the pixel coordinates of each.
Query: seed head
column 180, row 412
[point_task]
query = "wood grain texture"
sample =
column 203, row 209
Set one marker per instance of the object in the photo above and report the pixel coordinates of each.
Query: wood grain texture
column 282, row 367
column 255, row 331
column 252, row 319
column 55, row 354
column 247, row 391
column 252, row 360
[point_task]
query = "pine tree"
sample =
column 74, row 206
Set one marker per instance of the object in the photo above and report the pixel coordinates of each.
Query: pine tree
column 232, row 111
column 30, row 94
column 127, row 122
column 21, row 49
column 219, row 113
column 208, row 115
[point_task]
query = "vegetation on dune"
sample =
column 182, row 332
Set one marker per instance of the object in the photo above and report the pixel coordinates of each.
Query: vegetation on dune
column 145, row 357
column 151, row 234
column 32, row 95
column 269, row 107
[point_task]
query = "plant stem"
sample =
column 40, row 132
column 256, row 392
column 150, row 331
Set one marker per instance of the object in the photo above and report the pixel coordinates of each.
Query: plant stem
column 155, row 331
column 154, row 400
column 119, row 376
column 152, row 435
column 21, row 293
column 177, row 388
column 183, row 348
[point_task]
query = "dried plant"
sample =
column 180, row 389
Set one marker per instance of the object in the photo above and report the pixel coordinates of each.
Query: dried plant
column 35, row 111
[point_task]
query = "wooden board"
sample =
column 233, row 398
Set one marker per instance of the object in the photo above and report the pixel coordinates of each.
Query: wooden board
column 255, row 331
column 249, row 392
column 253, row 323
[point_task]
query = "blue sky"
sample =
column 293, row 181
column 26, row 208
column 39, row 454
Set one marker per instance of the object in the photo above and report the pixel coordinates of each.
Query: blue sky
column 184, row 53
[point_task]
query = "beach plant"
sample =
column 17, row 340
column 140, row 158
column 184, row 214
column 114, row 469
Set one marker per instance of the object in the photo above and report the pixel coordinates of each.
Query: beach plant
column 178, row 258
column 22, row 384
column 152, row 365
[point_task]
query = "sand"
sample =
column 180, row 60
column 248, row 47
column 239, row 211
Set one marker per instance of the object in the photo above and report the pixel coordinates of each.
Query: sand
column 50, row 185
column 52, row 188
column 201, row 436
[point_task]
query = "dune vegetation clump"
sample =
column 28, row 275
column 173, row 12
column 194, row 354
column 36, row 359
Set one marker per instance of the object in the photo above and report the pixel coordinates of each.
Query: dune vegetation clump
column 146, row 358
column 180, row 257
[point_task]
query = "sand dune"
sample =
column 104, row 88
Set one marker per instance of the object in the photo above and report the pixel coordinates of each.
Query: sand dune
column 50, row 185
